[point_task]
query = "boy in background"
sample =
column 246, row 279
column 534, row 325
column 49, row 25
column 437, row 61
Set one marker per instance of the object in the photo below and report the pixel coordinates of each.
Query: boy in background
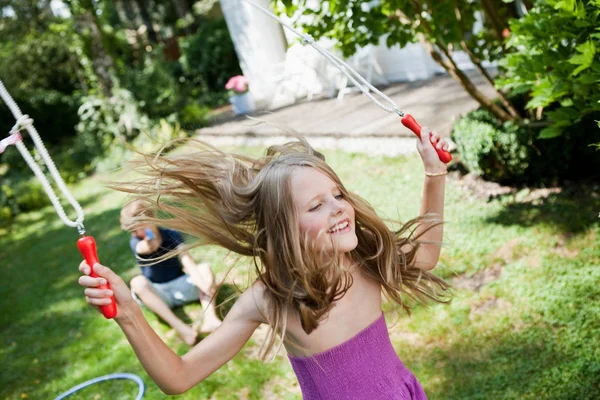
column 171, row 282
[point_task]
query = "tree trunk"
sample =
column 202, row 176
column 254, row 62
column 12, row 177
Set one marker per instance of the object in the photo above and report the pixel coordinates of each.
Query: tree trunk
column 477, row 62
column 182, row 8
column 102, row 62
column 507, row 104
column 142, row 6
column 122, row 13
column 450, row 66
column 494, row 18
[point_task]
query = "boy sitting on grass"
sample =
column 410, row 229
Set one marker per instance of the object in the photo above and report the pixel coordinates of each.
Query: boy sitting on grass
column 170, row 282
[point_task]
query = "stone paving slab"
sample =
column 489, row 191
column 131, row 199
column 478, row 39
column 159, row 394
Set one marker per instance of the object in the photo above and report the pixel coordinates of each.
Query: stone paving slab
column 436, row 103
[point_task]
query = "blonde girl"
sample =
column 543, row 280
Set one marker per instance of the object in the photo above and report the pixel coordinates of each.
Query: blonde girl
column 323, row 259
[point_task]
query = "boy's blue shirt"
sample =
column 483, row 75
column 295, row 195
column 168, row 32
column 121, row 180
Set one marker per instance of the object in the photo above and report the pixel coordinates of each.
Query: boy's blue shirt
column 166, row 270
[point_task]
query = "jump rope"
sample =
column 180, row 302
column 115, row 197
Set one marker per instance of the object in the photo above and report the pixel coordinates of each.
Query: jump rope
column 87, row 244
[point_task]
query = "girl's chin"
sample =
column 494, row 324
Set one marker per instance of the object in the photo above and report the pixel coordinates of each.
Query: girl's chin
column 347, row 244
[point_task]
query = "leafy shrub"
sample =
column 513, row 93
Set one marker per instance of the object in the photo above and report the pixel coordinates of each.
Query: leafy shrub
column 208, row 58
column 155, row 86
column 17, row 196
column 556, row 61
column 30, row 195
column 507, row 153
column 146, row 142
column 104, row 122
column 194, row 115
column 497, row 153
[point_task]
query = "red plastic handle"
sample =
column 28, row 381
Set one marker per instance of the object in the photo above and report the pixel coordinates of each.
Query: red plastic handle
column 409, row 122
column 87, row 247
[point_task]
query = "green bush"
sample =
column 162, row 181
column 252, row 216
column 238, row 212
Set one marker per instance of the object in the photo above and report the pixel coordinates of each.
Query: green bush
column 30, row 195
column 155, row 85
column 148, row 142
column 496, row 152
column 20, row 195
column 208, row 57
column 507, row 153
column 556, row 61
column 194, row 115
column 105, row 122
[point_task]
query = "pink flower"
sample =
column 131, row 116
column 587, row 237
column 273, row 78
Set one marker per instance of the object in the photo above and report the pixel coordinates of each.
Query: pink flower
column 237, row 83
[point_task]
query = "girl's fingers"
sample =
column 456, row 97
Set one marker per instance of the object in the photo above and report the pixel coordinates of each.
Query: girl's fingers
column 84, row 268
column 98, row 302
column 88, row 281
column 442, row 144
column 98, row 293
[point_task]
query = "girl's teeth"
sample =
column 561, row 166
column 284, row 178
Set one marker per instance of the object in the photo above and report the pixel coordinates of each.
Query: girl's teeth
column 339, row 227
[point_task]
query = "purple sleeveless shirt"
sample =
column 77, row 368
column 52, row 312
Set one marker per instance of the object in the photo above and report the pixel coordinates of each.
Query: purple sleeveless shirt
column 365, row 367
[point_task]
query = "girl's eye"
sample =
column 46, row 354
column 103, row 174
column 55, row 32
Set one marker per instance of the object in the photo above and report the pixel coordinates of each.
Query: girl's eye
column 315, row 208
column 339, row 196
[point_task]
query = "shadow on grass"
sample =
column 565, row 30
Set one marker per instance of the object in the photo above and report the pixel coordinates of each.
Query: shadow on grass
column 573, row 210
column 513, row 365
column 543, row 344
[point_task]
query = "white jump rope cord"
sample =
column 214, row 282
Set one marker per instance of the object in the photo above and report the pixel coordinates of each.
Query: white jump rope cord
column 23, row 121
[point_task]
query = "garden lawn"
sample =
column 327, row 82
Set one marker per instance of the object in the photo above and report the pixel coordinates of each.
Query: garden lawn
column 532, row 333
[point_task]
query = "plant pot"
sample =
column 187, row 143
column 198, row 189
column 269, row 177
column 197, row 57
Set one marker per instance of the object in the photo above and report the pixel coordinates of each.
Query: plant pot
column 242, row 103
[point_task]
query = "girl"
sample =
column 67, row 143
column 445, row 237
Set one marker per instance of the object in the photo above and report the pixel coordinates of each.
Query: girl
column 322, row 257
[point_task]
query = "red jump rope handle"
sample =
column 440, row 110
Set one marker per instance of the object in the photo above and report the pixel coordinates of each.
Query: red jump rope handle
column 87, row 247
column 409, row 122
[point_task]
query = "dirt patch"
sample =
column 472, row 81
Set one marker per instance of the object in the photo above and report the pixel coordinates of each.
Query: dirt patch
column 485, row 305
column 480, row 188
column 479, row 279
column 507, row 251
column 560, row 247
column 486, row 190
column 279, row 387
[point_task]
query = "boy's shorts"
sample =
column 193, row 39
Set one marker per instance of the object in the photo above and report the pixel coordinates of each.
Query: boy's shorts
column 174, row 293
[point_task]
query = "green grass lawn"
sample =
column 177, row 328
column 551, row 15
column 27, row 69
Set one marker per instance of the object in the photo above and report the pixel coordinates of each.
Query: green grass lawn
column 532, row 333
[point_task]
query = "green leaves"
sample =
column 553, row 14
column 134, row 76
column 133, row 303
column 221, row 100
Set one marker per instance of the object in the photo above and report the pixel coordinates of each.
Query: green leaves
column 549, row 133
column 556, row 58
column 585, row 59
column 355, row 23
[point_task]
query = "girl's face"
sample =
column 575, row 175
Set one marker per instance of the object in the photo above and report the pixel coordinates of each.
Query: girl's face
column 323, row 213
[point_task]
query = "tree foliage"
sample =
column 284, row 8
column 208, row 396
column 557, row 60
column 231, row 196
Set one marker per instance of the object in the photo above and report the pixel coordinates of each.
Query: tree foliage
column 556, row 59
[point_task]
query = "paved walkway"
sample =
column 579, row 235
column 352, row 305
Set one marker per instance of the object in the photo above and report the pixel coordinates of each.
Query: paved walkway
column 356, row 123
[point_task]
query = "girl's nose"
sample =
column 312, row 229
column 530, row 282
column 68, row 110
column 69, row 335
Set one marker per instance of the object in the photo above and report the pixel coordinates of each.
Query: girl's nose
column 336, row 209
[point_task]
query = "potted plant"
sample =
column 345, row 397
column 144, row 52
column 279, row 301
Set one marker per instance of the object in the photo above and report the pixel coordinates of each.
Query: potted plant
column 240, row 97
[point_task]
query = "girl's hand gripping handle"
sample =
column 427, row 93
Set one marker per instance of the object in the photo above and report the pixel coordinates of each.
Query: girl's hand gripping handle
column 409, row 122
column 87, row 247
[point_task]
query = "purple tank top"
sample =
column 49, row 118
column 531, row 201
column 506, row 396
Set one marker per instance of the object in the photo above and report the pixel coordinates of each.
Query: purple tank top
column 365, row 366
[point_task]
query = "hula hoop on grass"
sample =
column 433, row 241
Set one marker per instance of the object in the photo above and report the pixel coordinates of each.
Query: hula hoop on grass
column 131, row 377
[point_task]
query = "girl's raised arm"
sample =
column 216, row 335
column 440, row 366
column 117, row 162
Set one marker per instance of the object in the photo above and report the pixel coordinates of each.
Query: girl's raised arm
column 433, row 198
column 172, row 373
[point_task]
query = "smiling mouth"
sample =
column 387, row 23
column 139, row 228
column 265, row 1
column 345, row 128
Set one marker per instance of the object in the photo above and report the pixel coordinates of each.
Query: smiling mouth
column 340, row 227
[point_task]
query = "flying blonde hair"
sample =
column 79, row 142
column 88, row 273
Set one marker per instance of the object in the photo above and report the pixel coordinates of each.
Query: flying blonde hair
column 245, row 205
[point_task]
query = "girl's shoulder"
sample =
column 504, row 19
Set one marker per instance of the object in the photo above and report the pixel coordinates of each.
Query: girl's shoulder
column 252, row 301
